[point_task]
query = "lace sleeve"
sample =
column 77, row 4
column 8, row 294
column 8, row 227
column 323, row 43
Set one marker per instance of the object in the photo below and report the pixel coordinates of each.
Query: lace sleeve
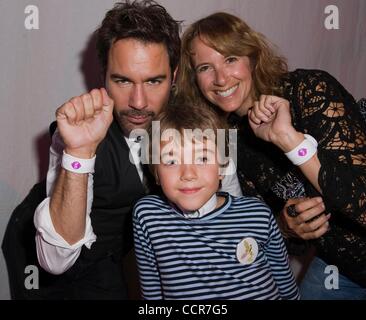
column 329, row 113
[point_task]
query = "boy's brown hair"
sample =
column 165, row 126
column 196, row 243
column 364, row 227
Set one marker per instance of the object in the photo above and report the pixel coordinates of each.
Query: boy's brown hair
column 181, row 116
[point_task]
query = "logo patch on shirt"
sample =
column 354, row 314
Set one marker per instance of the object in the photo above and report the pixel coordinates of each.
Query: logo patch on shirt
column 247, row 251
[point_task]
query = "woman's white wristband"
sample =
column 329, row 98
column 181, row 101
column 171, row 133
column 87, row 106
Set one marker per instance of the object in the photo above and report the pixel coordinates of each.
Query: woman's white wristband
column 77, row 165
column 304, row 151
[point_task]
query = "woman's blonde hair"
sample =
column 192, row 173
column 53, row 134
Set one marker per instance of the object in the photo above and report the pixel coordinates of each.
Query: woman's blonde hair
column 229, row 35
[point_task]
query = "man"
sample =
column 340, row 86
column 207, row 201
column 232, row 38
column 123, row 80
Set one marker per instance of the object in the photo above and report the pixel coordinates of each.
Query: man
column 83, row 227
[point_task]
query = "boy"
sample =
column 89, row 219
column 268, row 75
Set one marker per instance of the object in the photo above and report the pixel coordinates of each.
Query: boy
column 195, row 243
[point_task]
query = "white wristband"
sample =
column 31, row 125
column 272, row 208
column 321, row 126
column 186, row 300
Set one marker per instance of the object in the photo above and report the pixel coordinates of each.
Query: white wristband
column 304, row 151
column 77, row 165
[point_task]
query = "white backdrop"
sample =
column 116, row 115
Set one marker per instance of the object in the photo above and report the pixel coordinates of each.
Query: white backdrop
column 40, row 69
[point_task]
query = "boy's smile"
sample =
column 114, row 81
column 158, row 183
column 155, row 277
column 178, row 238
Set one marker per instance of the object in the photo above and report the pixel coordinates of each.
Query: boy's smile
column 189, row 185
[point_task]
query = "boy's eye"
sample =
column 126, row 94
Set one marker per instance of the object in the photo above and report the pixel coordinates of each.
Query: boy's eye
column 170, row 162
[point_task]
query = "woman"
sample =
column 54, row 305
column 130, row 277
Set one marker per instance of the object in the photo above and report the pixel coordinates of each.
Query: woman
column 301, row 144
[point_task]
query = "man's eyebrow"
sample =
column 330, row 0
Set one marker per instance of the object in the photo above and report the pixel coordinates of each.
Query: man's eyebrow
column 116, row 76
column 158, row 77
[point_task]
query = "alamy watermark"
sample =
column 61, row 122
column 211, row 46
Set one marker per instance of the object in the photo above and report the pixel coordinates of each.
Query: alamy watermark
column 332, row 20
column 31, row 281
column 31, row 21
column 172, row 142
column 331, row 282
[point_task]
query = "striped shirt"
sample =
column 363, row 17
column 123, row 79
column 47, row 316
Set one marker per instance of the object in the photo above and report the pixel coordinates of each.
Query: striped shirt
column 182, row 258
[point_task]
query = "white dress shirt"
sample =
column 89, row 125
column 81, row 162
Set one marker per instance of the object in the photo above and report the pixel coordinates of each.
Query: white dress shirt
column 54, row 253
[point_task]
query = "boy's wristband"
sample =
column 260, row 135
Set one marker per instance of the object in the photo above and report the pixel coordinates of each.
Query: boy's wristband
column 77, row 165
column 304, row 151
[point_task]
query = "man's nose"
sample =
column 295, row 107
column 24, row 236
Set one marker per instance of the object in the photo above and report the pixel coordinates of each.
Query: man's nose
column 138, row 99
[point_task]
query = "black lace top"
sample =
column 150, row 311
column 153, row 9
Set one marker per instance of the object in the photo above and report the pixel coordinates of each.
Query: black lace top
column 321, row 107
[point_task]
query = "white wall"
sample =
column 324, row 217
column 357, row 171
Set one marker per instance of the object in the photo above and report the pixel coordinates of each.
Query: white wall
column 40, row 69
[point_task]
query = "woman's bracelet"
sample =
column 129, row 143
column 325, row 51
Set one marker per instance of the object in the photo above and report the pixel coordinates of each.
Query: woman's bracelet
column 304, row 151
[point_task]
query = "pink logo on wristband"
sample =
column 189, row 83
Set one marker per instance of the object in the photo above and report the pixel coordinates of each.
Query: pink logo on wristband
column 76, row 165
column 302, row 152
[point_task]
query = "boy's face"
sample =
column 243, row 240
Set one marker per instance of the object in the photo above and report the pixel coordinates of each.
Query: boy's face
column 188, row 175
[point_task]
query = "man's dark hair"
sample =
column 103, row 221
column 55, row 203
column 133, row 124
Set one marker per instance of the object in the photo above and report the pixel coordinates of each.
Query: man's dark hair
column 146, row 21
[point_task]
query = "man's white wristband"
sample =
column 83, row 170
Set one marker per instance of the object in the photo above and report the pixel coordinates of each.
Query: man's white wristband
column 77, row 165
column 304, row 151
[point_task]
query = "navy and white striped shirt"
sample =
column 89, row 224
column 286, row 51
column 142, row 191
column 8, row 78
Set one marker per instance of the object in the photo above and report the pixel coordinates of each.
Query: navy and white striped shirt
column 180, row 258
